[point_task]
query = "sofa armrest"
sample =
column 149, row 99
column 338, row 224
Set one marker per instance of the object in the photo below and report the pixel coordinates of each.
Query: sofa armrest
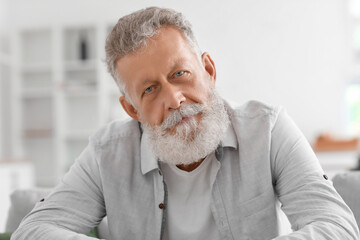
column 21, row 203
column 348, row 186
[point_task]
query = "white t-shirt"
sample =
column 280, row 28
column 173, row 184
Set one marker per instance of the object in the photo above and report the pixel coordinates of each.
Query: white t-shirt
column 189, row 194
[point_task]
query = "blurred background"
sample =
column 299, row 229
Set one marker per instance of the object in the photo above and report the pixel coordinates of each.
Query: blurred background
column 55, row 90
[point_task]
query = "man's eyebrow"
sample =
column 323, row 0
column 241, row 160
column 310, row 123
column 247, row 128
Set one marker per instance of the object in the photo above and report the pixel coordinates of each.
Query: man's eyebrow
column 177, row 63
column 180, row 62
column 144, row 83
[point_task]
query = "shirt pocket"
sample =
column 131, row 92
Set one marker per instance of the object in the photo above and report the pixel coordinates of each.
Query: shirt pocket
column 257, row 204
column 258, row 219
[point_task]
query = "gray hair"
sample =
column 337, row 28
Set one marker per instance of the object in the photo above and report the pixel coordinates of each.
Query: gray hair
column 131, row 32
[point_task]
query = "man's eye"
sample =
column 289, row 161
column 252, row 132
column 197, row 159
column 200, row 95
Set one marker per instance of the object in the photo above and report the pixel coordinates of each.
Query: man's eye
column 179, row 73
column 148, row 90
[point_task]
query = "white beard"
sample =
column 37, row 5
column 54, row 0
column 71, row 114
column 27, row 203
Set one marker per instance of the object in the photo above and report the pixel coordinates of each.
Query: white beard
column 192, row 141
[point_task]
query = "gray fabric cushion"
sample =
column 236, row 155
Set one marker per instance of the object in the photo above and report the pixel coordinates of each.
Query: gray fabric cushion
column 23, row 201
column 348, row 186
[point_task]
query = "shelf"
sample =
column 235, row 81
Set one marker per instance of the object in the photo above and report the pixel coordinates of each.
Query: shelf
column 80, row 92
column 36, row 93
column 14, row 161
column 36, row 80
column 5, row 47
column 5, row 59
column 80, row 65
column 41, row 151
column 79, row 44
column 78, row 135
column 73, row 150
column 39, row 148
column 36, row 67
column 80, row 78
column 37, row 113
column 81, row 113
column 38, row 133
column 78, row 86
column 36, row 47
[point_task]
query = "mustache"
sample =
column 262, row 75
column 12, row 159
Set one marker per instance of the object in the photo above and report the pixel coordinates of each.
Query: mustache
column 176, row 116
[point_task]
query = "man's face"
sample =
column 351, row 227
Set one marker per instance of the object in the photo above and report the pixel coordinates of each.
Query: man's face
column 163, row 76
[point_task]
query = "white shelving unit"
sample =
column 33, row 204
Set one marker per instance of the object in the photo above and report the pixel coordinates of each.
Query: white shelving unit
column 5, row 95
column 64, row 94
column 2, row 99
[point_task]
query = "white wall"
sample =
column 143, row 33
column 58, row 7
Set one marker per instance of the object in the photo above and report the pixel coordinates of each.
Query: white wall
column 288, row 52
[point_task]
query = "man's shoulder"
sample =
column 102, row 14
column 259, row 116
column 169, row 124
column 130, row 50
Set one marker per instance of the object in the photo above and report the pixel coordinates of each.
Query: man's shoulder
column 252, row 109
column 115, row 130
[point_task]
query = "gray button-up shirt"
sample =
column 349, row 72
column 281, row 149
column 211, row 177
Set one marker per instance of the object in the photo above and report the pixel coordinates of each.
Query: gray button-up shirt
column 263, row 158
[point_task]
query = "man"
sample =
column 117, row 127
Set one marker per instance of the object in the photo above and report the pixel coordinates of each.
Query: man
column 189, row 165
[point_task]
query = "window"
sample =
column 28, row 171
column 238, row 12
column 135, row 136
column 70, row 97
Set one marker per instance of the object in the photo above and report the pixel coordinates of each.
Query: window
column 353, row 103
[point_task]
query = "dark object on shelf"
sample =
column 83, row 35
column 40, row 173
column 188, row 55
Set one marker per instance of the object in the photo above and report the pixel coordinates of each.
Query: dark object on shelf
column 328, row 143
column 83, row 48
column 358, row 164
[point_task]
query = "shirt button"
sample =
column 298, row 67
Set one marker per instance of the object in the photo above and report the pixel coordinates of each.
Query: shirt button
column 161, row 206
column 326, row 177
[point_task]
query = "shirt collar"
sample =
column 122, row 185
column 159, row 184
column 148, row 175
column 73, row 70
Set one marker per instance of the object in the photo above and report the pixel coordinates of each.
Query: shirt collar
column 149, row 161
column 229, row 139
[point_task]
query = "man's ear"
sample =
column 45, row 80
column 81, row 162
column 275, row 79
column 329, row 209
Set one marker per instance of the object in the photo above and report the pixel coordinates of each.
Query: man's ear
column 209, row 66
column 129, row 108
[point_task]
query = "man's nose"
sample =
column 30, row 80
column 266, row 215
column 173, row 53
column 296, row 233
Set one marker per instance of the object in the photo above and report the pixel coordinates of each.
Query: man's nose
column 174, row 97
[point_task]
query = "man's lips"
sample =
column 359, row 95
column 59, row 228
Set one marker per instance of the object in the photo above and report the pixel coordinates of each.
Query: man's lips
column 182, row 115
column 183, row 120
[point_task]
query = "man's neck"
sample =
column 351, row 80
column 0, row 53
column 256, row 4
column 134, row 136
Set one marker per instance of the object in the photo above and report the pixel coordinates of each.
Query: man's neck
column 190, row 167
